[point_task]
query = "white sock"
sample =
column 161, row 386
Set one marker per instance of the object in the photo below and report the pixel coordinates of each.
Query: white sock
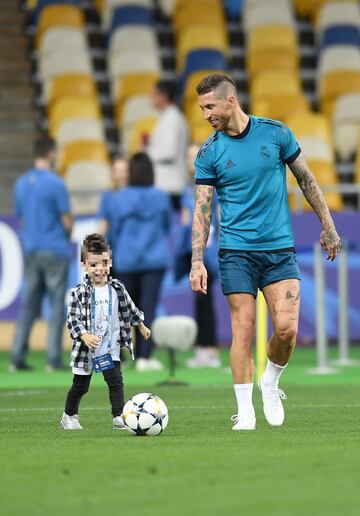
column 271, row 376
column 243, row 393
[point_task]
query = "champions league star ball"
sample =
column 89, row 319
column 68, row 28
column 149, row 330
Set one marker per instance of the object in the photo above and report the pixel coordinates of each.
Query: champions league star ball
column 145, row 414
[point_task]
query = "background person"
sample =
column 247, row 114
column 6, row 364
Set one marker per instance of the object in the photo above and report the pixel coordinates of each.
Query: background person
column 245, row 160
column 206, row 351
column 140, row 222
column 168, row 142
column 42, row 206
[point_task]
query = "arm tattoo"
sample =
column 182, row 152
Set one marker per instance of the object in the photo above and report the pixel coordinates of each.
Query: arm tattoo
column 202, row 219
column 310, row 188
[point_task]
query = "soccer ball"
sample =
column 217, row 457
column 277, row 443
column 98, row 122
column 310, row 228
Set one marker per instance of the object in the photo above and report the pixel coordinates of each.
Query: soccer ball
column 145, row 414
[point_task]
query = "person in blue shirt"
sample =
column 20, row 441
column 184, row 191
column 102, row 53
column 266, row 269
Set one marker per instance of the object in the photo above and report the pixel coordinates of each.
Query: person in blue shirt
column 42, row 207
column 140, row 224
column 245, row 159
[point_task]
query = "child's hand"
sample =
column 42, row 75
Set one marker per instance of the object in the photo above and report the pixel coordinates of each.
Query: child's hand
column 91, row 341
column 145, row 331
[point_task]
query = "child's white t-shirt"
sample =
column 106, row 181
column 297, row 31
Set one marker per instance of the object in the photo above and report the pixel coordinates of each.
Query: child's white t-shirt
column 102, row 325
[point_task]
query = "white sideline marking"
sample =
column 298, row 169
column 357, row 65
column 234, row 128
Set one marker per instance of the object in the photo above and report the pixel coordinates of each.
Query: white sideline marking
column 23, row 393
column 177, row 407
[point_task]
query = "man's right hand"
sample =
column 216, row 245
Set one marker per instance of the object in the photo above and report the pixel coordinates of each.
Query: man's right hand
column 198, row 277
column 91, row 341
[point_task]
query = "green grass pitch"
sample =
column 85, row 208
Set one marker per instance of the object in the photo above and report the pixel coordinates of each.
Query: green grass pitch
column 198, row 466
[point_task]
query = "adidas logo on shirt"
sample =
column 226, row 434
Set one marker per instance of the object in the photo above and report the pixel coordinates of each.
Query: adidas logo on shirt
column 229, row 164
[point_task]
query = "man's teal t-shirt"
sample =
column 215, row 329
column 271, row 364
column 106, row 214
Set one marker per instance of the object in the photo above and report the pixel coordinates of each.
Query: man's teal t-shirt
column 249, row 174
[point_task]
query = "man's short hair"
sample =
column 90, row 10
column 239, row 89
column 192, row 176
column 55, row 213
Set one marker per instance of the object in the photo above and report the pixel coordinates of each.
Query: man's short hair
column 220, row 83
column 94, row 243
column 167, row 88
column 43, row 145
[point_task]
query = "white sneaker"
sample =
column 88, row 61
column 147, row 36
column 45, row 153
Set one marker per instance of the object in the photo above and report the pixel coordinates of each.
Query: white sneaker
column 148, row 364
column 70, row 422
column 118, row 423
column 245, row 421
column 203, row 358
column 273, row 408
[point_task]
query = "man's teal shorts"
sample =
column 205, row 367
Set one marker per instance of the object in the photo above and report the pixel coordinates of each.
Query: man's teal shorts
column 248, row 271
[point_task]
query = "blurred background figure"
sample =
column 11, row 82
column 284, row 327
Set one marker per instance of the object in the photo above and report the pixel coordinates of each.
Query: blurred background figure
column 140, row 223
column 168, row 142
column 41, row 204
column 120, row 179
column 206, row 351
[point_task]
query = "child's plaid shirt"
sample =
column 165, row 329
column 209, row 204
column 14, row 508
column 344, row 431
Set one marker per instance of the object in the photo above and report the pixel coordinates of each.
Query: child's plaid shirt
column 79, row 320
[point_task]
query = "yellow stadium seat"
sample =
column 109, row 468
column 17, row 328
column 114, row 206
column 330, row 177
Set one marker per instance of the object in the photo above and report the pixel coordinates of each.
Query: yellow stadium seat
column 82, row 151
column 310, row 124
column 131, row 85
column 72, row 107
column 195, row 14
column 196, row 37
column 310, row 8
column 59, row 15
column 272, row 47
column 70, row 85
column 100, row 5
column 31, row 4
column 140, row 134
column 334, row 84
column 277, row 95
column 205, row 4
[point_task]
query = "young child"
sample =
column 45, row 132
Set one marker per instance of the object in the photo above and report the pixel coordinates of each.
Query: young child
column 100, row 316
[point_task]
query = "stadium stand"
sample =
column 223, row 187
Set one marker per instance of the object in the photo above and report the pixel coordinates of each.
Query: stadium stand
column 269, row 48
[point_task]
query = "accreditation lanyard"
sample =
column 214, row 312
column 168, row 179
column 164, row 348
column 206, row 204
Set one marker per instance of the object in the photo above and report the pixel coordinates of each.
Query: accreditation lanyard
column 92, row 322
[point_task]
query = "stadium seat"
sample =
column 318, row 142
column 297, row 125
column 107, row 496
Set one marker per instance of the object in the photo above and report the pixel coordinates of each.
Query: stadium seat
column 337, row 14
column 203, row 59
column 196, row 37
column 131, row 85
column 335, row 84
column 340, row 35
column 136, row 108
column 38, row 5
column 277, row 95
column 272, row 47
column 134, row 61
column 315, row 125
column 338, row 73
column 346, row 125
column 62, row 63
column 316, row 148
column 135, row 36
column 74, row 129
column 108, row 7
column 85, row 194
column 130, row 15
column 72, row 107
column 86, row 150
column 234, row 9
column 69, row 85
column 140, row 134
column 69, row 39
column 195, row 14
column 200, row 132
column 56, row 16
column 273, row 12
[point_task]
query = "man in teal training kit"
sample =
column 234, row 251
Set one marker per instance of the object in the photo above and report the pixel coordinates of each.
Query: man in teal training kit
column 245, row 160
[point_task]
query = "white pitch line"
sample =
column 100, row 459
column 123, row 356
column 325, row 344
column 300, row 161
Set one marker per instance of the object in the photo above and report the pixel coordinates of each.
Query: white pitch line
column 176, row 407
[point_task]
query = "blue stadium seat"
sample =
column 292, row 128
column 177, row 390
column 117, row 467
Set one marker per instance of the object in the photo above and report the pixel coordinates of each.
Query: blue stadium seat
column 130, row 15
column 45, row 3
column 341, row 35
column 202, row 59
column 234, row 8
